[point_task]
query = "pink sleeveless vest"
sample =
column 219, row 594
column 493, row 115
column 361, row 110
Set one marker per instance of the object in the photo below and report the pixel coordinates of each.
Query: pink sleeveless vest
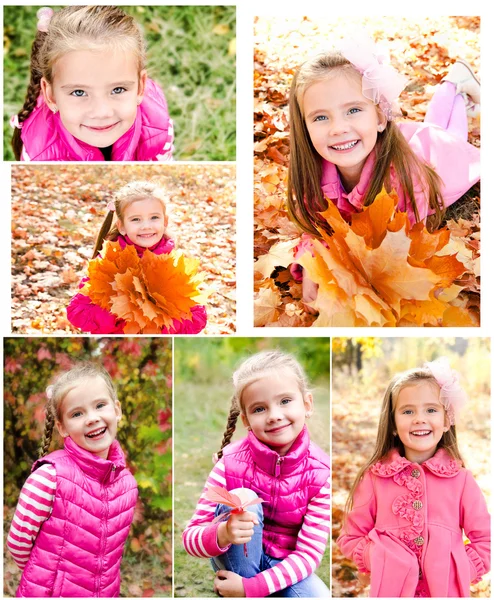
column 79, row 548
column 286, row 484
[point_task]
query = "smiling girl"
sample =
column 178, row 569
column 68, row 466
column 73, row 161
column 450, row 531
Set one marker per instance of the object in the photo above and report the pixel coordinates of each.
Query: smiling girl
column 76, row 508
column 413, row 500
column 273, row 548
column 345, row 145
column 89, row 97
column 141, row 221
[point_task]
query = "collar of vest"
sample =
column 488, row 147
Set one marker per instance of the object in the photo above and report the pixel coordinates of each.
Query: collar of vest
column 164, row 246
column 271, row 462
column 91, row 464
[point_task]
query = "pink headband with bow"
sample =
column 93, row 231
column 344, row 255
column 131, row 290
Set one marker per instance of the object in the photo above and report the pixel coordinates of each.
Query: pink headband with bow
column 381, row 83
column 452, row 396
column 44, row 17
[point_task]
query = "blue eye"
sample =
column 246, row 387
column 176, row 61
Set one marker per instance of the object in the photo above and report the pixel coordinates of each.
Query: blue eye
column 76, row 414
column 258, row 409
column 286, row 400
column 78, row 93
column 407, row 412
column 101, row 405
column 320, row 118
column 357, row 110
column 431, row 410
column 118, row 90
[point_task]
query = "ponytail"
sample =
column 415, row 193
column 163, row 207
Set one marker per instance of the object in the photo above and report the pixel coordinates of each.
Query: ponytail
column 33, row 91
column 230, row 426
column 103, row 233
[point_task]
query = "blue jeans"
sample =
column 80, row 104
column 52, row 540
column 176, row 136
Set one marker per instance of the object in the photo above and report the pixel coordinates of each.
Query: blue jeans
column 257, row 560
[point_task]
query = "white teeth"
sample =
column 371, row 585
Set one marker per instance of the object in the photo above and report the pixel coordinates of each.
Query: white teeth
column 345, row 146
column 420, row 432
column 95, row 433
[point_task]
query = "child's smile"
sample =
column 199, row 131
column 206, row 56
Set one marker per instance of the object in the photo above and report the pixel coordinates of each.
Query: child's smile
column 89, row 416
column 420, row 420
column 342, row 124
column 96, row 93
column 144, row 222
column 275, row 409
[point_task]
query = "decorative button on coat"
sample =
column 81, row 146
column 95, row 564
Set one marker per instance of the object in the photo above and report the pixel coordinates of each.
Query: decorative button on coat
column 417, row 505
column 415, row 473
column 419, row 540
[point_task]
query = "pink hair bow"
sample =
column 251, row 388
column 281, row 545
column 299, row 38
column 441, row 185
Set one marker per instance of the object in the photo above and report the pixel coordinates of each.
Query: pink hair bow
column 452, row 396
column 44, row 17
column 381, row 83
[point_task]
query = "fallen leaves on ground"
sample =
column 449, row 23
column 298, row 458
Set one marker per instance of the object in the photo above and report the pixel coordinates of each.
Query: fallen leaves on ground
column 57, row 212
column 422, row 49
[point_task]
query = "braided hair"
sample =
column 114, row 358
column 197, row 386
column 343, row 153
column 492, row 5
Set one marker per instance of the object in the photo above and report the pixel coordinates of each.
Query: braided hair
column 251, row 370
column 61, row 387
column 76, row 28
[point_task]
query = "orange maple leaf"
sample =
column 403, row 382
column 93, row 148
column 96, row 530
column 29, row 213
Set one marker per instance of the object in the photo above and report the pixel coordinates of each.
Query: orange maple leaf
column 380, row 271
column 148, row 293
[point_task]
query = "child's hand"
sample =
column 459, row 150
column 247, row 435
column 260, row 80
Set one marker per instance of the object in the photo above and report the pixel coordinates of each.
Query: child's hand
column 239, row 529
column 364, row 578
column 229, row 585
column 309, row 293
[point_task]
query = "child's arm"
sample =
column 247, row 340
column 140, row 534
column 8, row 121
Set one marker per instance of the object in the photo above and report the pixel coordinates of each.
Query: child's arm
column 304, row 560
column 353, row 540
column 34, row 507
column 200, row 537
column 476, row 523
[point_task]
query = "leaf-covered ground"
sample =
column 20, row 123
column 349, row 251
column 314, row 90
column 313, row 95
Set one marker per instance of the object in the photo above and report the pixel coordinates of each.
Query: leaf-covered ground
column 420, row 48
column 57, row 212
column 356, row 400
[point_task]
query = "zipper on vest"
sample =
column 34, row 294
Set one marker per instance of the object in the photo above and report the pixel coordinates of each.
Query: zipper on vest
column 277, row 469
column 104, row 527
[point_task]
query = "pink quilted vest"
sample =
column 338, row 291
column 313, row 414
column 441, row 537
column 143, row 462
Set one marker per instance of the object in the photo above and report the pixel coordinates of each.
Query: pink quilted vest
column 78, row 550
column 286, row 484
column 150, row 138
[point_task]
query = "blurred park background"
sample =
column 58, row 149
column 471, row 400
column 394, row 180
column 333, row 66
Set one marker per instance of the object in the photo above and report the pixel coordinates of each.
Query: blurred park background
column 203, row 370
column 141, row 369
column 361, row 371
column 190, row 53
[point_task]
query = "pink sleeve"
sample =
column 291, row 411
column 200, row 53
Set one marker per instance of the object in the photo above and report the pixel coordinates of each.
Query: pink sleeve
column 305, row 245
column 194, row 325
column 200, row 536
column 304, row 560
column 476, row 523
column 91, row 318
column 34, row 507
column 353, row 540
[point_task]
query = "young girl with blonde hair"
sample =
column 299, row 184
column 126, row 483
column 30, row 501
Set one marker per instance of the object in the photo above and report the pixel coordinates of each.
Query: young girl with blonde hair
column 141, row 221
column 89, row 97
column 273, row 548
column 76, row 508
column 413, row 500
column 345, row 145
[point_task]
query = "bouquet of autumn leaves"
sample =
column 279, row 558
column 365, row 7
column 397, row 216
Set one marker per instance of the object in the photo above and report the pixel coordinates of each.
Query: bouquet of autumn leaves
column 148, row 293
column 377, row 271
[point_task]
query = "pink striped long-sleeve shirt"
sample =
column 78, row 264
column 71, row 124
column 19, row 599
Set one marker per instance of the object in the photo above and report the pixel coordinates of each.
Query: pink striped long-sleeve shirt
column 200, row 539
column 34, row 507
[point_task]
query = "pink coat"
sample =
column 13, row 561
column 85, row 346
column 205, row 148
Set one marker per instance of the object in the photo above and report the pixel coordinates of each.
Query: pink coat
column 91, row 318
column 407, row 525
column 455, row 161
column 150, row 138
column 286, row 484
column 79, row 548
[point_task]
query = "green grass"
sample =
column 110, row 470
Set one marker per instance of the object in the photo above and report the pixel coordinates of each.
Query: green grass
column 200, row 412
column 190, row 53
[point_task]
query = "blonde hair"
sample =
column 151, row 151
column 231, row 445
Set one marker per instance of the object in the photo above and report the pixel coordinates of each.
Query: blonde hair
column 77, row 28
column 124, row 197
column 251, row 370
column 386, row 438
column 305, row 198
column 63, row 384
